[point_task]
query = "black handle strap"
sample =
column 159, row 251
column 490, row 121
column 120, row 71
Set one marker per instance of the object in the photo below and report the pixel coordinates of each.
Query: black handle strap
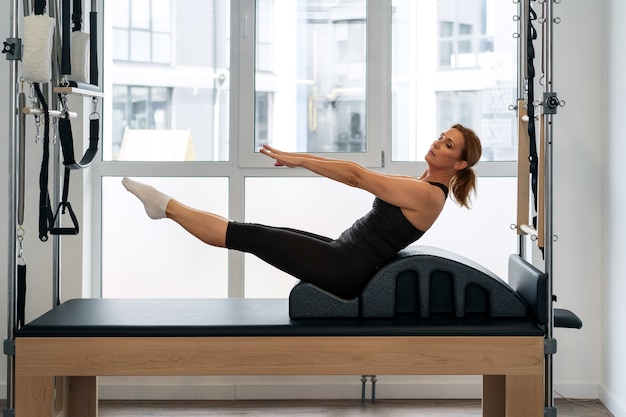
column 67, row 147
column 64, row 206
column 67, row 143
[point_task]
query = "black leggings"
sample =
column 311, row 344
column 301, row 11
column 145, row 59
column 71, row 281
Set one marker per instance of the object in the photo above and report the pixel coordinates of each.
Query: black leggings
column 309, row 257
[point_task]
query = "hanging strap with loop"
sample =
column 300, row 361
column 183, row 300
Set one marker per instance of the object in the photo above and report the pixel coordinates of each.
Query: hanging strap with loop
column 46, row 218
column 67, row 143
column 64, row 206
column 533, row 156
column 69, row 161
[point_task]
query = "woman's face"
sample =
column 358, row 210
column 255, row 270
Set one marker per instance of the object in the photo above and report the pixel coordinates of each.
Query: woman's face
column 446, row 151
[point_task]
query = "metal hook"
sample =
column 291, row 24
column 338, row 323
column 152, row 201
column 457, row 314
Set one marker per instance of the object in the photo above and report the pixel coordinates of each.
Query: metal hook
column 37, row 126
column 54, row 130
column 20, row 243
column 94, row 113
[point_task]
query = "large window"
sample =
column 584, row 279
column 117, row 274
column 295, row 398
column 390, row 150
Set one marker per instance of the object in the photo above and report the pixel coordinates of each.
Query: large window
column 375, row 81
column 186, row 92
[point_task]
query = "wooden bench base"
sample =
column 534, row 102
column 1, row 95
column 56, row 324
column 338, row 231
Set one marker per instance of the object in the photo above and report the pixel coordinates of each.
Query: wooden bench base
column 512, row 366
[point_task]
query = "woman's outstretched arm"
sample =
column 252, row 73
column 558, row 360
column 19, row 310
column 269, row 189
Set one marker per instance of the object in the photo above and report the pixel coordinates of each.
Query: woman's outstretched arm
column 402, row 191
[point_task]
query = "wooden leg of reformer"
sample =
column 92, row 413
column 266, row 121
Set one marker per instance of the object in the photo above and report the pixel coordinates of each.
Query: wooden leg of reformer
column 524, row 396
column 34, row 397
column 82, row 396
column 494, row 396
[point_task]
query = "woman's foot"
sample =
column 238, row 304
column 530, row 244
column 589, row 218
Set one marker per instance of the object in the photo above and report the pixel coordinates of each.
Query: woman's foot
column 154, row 201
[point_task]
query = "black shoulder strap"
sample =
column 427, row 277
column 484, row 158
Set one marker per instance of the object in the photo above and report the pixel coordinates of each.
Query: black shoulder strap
column 443, row 187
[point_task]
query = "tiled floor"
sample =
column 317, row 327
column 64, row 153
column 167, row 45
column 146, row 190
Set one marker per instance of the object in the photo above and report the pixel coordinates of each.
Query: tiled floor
column 325, row 408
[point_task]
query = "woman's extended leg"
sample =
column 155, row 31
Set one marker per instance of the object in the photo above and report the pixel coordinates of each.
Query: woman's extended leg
column 208, row 227
column 307, row 256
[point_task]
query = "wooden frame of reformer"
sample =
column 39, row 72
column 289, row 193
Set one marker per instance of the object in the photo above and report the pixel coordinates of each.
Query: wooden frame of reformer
column 512, row 366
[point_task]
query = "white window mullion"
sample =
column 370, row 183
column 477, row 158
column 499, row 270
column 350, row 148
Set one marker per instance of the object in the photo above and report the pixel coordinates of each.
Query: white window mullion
column 241, row 122
column 378, row 97
column 243, row 73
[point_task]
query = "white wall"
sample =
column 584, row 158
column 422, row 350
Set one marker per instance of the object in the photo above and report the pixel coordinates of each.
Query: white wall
column 577, row 167
column 588, row 257
column 613, row 383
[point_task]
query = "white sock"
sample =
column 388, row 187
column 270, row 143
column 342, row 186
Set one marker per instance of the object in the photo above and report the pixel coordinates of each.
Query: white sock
column 154, row 201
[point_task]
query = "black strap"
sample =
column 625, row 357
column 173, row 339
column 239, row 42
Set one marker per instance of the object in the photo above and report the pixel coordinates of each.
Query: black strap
column 64, row 206
column 21, row 295
column 67, row 147
column 77, row 15
column 67, row 143
column 530, row 110
column 40, row 6
column 66, row 56
column 45, row 211
column 93, row 47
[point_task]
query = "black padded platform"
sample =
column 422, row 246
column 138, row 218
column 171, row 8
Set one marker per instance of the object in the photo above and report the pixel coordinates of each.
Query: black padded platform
column 242, row 317
column 429, row 282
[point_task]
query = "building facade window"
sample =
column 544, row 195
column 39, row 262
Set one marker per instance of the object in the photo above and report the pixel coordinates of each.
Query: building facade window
column 139, row 108
column 142, row 31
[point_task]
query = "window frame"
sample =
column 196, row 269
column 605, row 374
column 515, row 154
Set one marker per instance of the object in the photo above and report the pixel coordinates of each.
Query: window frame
column 378, row 34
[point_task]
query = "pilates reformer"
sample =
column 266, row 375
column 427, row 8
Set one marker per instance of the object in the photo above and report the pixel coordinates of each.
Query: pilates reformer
column 428, row 312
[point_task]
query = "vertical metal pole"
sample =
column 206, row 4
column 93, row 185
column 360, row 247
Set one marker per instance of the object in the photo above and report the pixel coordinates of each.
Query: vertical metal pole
column 548, row 206
column 12, row 200
column 57, row 168
column 522, row 11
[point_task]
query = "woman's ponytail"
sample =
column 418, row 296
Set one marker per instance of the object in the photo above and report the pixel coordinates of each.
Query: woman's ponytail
column 464, row 182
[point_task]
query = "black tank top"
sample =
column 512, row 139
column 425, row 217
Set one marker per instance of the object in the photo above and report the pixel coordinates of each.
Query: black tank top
column 382, row 232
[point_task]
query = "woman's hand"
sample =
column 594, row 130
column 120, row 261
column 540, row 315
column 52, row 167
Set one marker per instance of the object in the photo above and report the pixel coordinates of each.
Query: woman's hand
column 287, row 159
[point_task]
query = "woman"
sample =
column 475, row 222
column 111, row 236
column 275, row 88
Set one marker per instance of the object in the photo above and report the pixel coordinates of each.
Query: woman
column 404, row 208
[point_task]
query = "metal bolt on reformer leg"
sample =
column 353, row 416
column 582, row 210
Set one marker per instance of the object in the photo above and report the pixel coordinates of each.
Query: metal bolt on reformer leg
column 363, row 383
